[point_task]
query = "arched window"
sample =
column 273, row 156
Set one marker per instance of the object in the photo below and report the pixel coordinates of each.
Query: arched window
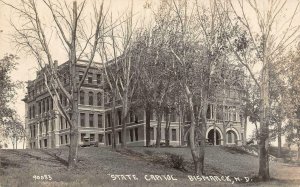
column 91, row 98
column 99, row 99
column 231, row 137
column 81, row 97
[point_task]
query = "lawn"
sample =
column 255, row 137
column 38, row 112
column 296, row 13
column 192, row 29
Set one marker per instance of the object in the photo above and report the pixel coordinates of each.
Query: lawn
column 99, row 166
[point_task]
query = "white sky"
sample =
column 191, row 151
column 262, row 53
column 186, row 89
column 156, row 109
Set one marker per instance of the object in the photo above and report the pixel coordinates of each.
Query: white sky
column 27, row 65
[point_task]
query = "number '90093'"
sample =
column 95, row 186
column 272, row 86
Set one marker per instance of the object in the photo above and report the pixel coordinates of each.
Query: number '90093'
column 42, row 177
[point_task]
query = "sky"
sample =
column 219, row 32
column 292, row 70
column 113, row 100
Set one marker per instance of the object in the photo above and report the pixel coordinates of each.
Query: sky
column 26, row 69
column 27, row 65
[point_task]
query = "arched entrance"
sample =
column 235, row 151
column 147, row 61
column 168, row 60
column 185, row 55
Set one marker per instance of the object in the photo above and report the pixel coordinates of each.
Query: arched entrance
column 231, row 137
column 211, row 137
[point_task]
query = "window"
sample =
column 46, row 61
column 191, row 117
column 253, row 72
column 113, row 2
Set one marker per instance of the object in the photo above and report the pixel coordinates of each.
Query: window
column 40, row 107
column 67, row 123
column 151, row 115
column 81, row 97
column 61, row 122
column 43, row 106
column 120, row 137
column 52, row 125
column 120, row 117
column 99, row 120
column 47, row 104
column 131, row 116
column 82, row 119
column 98, row 78
column 231, row 136
column 91, row 99
column 92, row 137
column 51, row 103
column 66, row 138
column 173, row 116
column 109, row 139
column 108, row 119
column 61, row 140
column 33, row 130
column 82, row 135
column 131, row 135
column 208, row 114
column 219, row 112
column 100, row 137
column 33, row 111
column 41, row 128
column 46, row 124
column 30, row 131
column 29, row 113
column 99, row 99
column 188, row 116
column 136, row 118
column 91, row 120
column 80, row 75
column 173, row 134
column 45, row 142
column 234, row 114
column 65, row 101
column 152, row 133
column 226, row 113
column 136, row 132
column 90, row 78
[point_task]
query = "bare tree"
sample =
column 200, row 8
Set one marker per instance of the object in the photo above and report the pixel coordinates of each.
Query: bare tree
column 76, row 38
column 122, row 68
column 261, row 46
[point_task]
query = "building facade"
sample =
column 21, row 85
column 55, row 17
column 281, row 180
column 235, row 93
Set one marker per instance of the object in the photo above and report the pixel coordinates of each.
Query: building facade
column 46, row 128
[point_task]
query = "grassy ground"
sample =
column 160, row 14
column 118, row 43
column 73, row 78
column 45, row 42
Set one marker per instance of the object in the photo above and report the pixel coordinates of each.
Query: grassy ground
column 18, row 167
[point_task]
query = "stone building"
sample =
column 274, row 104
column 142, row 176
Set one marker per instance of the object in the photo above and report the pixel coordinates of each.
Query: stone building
column 46, row 128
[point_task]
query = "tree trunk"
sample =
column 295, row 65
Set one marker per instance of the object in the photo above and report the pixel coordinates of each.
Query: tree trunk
column 224, row 123
column 148, row 116
column 279, row 140
column 167, row 129
column 113, row 121
column 198, row 156
column 202, row 136
column 215, row 134
column 73, row 149
column 158, row 129
column 125, row 110
column 24, row 140
column 180, row 126
column 224, row 135
column 263, row 172
column 263, row 155
column 245, row 130
column 124, row 133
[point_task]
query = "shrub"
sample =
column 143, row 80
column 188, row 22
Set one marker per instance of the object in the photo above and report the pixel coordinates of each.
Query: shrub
column 175, row 161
